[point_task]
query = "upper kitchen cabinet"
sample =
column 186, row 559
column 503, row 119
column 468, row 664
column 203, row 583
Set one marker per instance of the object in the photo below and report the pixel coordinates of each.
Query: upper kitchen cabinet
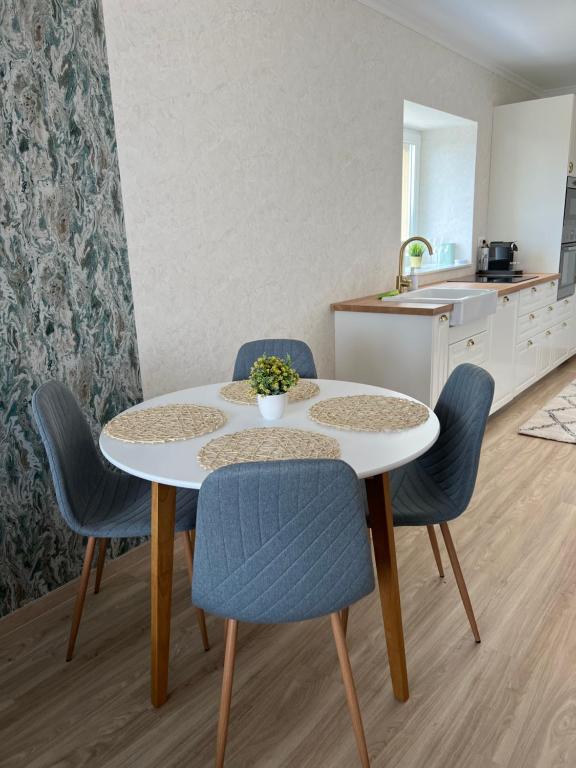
column 533, row 144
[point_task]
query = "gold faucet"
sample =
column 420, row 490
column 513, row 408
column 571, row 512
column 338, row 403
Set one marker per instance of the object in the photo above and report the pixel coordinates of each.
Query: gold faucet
column 404, row 282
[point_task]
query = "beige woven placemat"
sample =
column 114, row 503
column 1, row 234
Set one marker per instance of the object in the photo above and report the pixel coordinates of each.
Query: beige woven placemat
column 165, row 423
column 369, row 413
column 267, row 444
column 240, row 392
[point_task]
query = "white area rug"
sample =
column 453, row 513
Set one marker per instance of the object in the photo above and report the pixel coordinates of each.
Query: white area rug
column 557, row 420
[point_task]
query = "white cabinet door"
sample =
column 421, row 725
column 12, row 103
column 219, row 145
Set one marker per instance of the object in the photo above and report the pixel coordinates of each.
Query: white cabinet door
column 545, row 344
column 562, row 337
column 439, row 373
column 530, row 150
column 525, row 364
column 502, row 343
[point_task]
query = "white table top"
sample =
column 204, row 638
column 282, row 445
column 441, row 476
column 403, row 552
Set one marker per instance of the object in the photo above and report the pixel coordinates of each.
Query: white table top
column 369, row 453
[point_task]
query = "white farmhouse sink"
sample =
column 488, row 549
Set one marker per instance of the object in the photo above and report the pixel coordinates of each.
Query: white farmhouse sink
column 470, row 304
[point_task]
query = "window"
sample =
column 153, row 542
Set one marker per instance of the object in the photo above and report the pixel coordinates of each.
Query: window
column 410, row 182
column 438, row 183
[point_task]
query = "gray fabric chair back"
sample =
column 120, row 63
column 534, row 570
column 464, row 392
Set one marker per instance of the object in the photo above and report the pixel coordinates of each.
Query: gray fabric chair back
column 74, row 461
column 462, row 409
column 300, row 355
column 281, row 541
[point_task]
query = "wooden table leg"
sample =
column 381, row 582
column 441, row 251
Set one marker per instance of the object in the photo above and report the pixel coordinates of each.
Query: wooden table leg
column 380, row 507
column 162, row 558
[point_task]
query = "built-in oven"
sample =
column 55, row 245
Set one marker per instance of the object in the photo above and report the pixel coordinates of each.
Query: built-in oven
column 567, row 281
column 569, row 226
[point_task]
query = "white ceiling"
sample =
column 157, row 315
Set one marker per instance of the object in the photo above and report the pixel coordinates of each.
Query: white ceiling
column 533, row 42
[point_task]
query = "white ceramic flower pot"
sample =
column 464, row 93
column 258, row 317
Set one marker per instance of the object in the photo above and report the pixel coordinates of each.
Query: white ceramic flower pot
column 272, row 407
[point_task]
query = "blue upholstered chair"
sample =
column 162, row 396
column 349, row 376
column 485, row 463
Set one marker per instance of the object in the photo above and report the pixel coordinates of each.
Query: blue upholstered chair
column 95, row 501
column 300, row 355
column 437, row 487
column 278, row 542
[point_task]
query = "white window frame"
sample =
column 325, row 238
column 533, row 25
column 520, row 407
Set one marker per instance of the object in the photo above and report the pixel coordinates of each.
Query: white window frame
column 414, row 138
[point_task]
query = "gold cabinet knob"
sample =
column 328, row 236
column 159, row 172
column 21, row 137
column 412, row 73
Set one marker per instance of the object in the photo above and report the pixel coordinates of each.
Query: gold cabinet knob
column 470, row 343
column 443, row 318
column 534, row 289
column 564, row 325
column 530, row 342
column 506, row 299
column 550, row 309
column 566, row 301
column 552, row 284
column 570, row 166
column 531, row 316
column 548, row 333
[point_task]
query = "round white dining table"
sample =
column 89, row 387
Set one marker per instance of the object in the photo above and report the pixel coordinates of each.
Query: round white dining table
column 174, row 465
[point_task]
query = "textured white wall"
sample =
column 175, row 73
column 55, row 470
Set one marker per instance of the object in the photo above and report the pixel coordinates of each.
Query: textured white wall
column 260, row 156
column 446, row 199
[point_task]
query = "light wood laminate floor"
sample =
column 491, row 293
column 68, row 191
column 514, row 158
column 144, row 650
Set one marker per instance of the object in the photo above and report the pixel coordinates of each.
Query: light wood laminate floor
column 509, row 702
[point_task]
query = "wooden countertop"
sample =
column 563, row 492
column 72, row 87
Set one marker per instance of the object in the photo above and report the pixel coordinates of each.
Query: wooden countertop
column 403, row 307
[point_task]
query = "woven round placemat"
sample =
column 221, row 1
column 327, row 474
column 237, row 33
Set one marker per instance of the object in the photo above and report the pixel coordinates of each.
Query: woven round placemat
column 369, row 413
column 165, row 423
column 267, row 444
column 239, row 392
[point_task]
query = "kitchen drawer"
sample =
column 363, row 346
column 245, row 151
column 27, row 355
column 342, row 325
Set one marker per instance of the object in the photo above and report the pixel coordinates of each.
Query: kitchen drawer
column 550, row 291
column 473, row 349
column 460, row 332
column 530, row 324
column 564, row 308
column 537, row 296
column 549, row 315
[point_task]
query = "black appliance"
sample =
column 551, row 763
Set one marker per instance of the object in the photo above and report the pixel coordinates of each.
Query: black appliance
column 502, row 256
column 569, row 225
column 567, row 281
column 493, row 277
column 567, row 267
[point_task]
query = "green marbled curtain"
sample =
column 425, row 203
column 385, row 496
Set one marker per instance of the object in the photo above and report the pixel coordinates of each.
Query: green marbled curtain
column 65, row 296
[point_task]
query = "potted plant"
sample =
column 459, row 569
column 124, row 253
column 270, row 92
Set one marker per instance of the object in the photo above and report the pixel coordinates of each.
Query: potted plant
column 416, row 251
column 270, row 379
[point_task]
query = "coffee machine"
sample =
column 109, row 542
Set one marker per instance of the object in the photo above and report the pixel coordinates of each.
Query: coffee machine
column 502, row 259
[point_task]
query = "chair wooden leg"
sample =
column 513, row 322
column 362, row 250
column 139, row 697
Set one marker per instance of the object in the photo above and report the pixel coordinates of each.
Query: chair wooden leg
column 188, row 553
column 351, row 696
column 102, row 546
column 344, row 614
column 80, row 597
column 201, row 619
column 226, row 697
column 187, row 538
column 460, row 579
column 435, row 549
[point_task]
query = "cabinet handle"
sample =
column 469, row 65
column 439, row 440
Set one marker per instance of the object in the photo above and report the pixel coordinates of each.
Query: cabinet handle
column 443, row 318
column 550, row 309
column 548, row 333
column 534, row 289
column 506, row 299
column 552, row 284
column 570, row 166
column 566, row 301
column 531, row 316
column 470, row 343
column 564, row 325
column 530, row 343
